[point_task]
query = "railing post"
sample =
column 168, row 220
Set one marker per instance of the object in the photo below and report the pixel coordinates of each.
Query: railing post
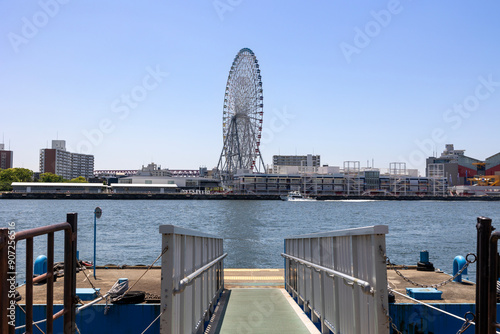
column 167, row 284
column 70, row 246
column 484, row 230
column 492, row 292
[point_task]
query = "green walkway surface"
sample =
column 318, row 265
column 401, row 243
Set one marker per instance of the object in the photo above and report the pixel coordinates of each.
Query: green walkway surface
column 263, row 311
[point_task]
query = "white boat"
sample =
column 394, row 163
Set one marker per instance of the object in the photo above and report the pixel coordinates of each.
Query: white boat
column 297, row 196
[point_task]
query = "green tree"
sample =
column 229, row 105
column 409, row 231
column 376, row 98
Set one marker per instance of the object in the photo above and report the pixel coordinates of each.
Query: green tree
column 79, row 179
column 50, row 177
column 7, row 176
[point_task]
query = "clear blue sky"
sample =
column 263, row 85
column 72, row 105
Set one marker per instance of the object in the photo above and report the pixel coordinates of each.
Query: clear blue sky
column 384, row 80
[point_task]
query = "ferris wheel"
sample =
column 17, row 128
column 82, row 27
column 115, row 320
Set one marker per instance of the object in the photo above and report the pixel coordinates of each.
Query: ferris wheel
column 242, row 117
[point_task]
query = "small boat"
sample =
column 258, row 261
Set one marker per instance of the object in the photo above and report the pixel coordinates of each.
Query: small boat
column 297, row 196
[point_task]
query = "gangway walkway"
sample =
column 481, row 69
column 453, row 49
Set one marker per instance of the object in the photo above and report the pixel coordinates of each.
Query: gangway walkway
column 264, row 311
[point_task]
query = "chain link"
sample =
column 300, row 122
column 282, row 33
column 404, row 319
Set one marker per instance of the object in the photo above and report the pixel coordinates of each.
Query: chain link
column 467, row 323
column 391, row 322
column 393, row 267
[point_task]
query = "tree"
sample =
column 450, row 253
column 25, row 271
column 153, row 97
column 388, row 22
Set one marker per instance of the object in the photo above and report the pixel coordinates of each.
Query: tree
column 50, row 177
column 7, row 176
column 79, row 179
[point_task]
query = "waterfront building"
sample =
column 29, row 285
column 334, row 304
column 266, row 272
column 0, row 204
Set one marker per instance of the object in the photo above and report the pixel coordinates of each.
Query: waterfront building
column 350, row 180
column 57, row 187
column 91, row 188
column 457, row 168
column 283, row 164
column 184, row 179
column 6, row 158
column 69, row 165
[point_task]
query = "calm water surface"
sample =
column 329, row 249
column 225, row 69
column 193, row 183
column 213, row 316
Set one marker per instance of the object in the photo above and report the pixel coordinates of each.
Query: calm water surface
column 253, row 231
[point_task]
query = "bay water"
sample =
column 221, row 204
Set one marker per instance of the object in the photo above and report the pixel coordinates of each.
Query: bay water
column 253, row 231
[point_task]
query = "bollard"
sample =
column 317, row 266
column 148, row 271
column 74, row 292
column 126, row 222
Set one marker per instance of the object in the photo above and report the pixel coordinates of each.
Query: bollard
column 458, row 263
column 40, row 266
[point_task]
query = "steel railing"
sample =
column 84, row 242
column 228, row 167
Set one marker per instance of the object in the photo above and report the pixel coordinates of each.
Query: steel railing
column 339, row 278
column 192, row 279
column 8, row 242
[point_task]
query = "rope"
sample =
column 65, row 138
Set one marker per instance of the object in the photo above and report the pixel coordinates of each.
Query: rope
column 151, row 324
column 150, row 266
column 35, row 323
column 88, row 279
column 435, row 308
column 430, row 306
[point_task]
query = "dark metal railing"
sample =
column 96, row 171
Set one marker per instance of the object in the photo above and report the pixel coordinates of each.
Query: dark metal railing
column 8, row 244
column 487, row 277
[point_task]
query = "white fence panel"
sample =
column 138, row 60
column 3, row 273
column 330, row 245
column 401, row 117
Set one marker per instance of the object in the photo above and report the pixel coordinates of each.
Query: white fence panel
column 192, row 279
column 340, row 278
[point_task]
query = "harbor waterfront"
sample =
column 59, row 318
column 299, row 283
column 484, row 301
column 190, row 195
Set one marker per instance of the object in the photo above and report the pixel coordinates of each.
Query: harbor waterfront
column 253, row 231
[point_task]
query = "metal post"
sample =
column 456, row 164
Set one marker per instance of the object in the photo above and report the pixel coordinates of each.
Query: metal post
column 484, row 230
column 492, row 293
column 95, row 239
column 70, row 273
column 50, row 283
column 167, row 284
column 29, row 285
column 97, row 214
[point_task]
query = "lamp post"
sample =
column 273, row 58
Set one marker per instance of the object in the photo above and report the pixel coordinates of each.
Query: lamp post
column 97, row 214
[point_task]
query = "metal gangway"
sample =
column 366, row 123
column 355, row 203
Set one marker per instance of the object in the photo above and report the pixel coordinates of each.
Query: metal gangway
column 335, row 281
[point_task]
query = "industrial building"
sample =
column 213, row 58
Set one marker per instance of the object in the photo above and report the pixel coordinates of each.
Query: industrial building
column 69, row 165
column 6, row 158
column 458, row 168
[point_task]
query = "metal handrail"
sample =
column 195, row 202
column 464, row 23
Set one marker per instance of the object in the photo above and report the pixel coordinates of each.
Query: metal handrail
column 183, row 283
column 363, row 284
column 70, row 239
